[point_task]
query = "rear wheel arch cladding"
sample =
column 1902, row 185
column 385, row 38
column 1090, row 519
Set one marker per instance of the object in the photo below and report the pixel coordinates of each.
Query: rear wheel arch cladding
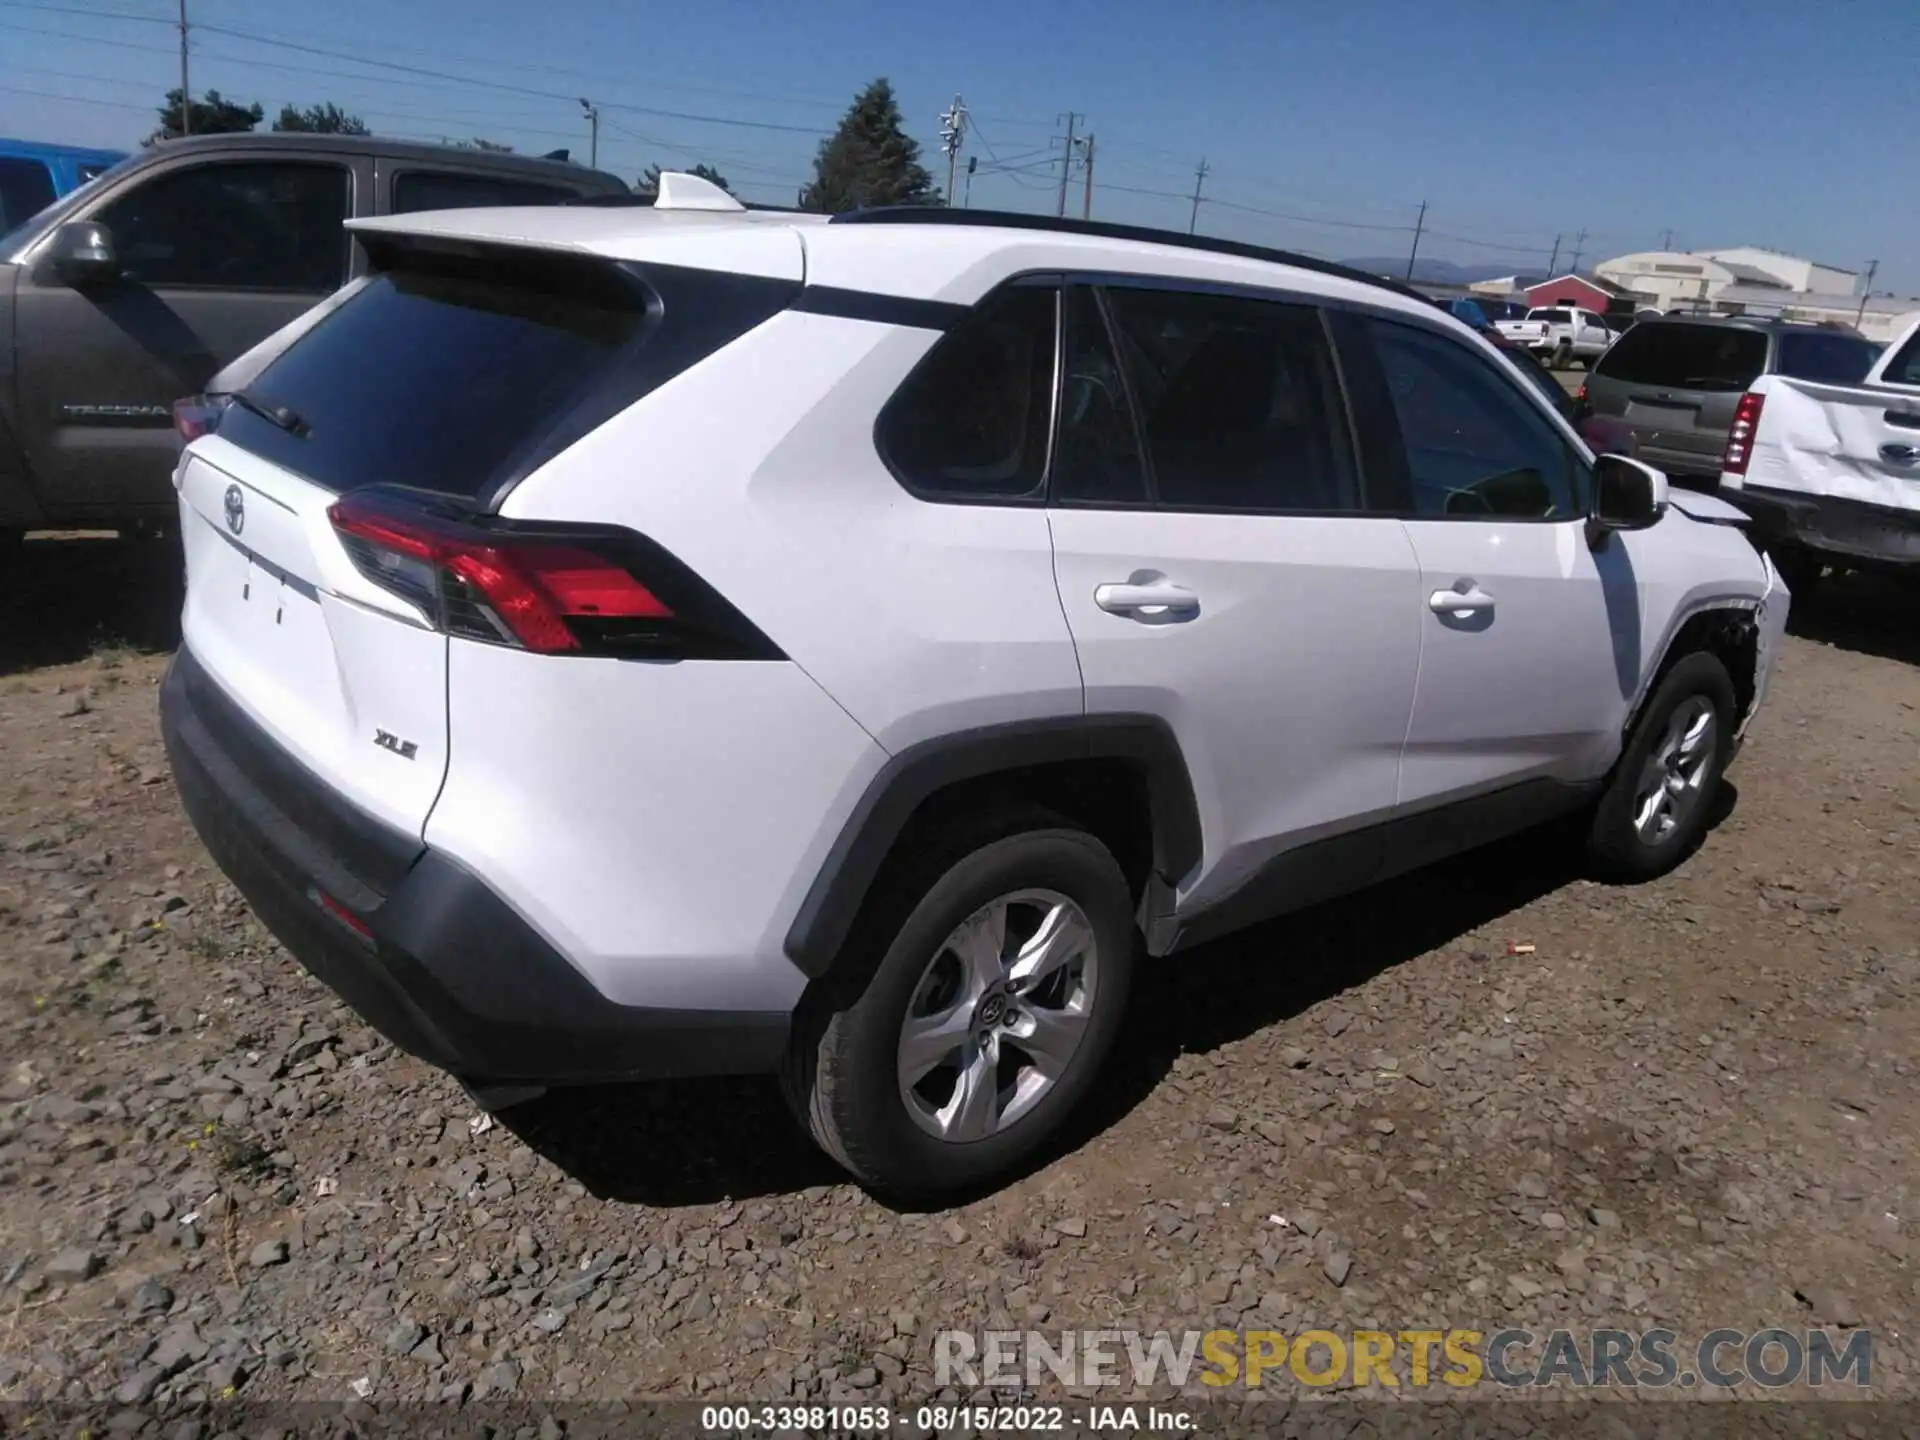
column 992, row 761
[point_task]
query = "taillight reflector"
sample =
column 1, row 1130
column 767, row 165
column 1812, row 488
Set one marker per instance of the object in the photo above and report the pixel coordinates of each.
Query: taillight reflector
column 1746, row 420
column 341, row 913
column 551, row 589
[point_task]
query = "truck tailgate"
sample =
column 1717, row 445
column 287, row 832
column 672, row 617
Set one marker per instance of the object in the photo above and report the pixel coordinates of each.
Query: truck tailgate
column 1845, row 441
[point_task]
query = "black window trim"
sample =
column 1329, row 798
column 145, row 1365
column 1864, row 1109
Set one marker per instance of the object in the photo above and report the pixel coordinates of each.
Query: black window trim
column 193, row 164
column 1582, row 478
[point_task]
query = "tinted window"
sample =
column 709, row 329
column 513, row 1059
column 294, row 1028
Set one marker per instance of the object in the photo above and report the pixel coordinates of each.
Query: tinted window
column 432, row 190
column 26, row 188
column 268, row 226
column 1097, row 460
column 438, row 380
column 1476, row 447
column 1553, row 317
column 1904, row 368
column 1238, row 401
column 972, row 420
column 1686, row 357
column 1539, row 377
column 1835, row 359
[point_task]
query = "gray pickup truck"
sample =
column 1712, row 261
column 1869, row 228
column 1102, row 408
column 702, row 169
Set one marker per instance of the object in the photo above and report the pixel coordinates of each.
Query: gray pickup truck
column 134, row 290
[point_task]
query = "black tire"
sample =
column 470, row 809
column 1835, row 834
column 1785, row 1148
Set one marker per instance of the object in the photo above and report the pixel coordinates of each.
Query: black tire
column 841, row 1075
column 1613, row 842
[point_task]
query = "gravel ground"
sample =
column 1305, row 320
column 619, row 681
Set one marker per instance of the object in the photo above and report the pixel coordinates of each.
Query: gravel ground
column 1493, row 1094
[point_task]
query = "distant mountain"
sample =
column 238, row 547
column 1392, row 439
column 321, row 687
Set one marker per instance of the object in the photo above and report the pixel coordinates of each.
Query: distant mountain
column 1431, row 272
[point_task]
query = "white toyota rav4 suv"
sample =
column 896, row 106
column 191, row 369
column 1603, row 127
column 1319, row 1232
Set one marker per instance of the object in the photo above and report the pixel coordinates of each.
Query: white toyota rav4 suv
column 634, row 642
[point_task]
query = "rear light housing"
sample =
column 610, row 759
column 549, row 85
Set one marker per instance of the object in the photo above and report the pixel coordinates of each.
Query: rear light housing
column 550, row 588
column 1746, row 420
column 198, row 415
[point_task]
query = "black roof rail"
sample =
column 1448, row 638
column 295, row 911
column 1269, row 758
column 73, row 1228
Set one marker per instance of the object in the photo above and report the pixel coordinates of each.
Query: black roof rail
column 1145, row 234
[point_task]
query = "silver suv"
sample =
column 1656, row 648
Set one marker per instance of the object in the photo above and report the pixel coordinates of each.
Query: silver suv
column 1676, row 380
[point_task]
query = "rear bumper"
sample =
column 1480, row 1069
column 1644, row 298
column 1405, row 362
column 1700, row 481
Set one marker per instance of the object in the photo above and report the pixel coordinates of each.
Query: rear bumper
column 451, row 973
column 1848, row 530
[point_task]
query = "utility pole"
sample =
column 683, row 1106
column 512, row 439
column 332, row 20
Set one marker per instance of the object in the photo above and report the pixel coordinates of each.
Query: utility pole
column 1086, row 201
column 593, row 122
column 953, row 132
column 1579, row 244
column 1418, row 226
column 1666, row 239
column 967, row 201
column 1066, row 167
column 1866, row 292
column 1199, row 179
column 186, row 94
column 1553, row 261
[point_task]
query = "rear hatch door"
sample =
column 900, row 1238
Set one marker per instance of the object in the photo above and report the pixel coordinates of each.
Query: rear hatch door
column 1677, row 385
column 449, row 373
column 346, row 678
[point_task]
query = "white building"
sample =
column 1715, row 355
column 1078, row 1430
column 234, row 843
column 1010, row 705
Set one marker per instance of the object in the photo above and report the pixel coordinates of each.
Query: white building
column 1747, row 280
column 1808, row 276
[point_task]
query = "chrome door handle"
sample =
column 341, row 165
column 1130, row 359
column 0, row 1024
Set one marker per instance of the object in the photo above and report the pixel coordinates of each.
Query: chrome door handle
column 1459, row 602
column 1899, row 454
column 1150, row 600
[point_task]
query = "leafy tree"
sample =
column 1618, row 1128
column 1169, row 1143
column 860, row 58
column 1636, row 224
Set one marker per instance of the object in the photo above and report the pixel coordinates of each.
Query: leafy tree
column 649, row 183
column 870, row 160
column 328, row 119
column 215, row 115
column 488, row 145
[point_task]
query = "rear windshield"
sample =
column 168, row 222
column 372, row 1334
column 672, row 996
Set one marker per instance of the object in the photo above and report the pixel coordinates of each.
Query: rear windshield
column 1686, row 357
column 438, row 379
column 1552, row 317
column 1835, row 359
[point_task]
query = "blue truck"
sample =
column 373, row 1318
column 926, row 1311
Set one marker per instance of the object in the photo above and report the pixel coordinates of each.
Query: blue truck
column 33, row 175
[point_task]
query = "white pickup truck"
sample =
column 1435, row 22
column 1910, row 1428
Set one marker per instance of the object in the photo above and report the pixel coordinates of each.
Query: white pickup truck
column 1831, row 473
column 1559, row 333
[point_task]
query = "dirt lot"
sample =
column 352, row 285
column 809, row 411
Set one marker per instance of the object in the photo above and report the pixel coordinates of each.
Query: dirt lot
column 1687, row 1105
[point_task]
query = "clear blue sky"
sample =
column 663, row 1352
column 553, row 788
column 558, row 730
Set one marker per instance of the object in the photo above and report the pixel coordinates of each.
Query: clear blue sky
column 1792, row 126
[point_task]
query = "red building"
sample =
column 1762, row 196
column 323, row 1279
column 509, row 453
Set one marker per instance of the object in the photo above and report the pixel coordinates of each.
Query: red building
column 1587, row 292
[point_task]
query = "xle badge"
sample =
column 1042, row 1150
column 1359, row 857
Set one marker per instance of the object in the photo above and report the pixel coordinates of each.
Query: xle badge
column 387, row 740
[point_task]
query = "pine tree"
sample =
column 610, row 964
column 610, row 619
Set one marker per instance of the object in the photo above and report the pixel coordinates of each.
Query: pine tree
column 649, row 183
column 215, row 115
column 328, row 119
column 870, row 160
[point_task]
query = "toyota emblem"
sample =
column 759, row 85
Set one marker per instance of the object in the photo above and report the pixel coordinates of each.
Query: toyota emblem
column 236, row 509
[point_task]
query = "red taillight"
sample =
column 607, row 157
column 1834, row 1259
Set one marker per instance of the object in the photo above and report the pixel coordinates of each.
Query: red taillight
column 550, row 589
column 1746, row 420
column 341, row 913
column 197, row 415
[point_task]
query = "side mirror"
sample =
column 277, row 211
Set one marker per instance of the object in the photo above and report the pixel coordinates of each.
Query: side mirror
column 1627, row 496
column 82, row 253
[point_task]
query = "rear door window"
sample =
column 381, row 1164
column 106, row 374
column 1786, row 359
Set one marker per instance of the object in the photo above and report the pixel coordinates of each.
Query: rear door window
column 1830, row 358
column 26, row 188
column 437, row 376
column 1678, row 356
column 441, row 190
column 1238, row 401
